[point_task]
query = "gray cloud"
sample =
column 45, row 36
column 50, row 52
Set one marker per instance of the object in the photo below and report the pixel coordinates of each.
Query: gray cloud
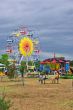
column 52, row 19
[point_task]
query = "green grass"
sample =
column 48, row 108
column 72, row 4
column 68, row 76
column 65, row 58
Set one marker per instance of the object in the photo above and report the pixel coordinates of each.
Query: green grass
column 67, row 76
column 4, row 105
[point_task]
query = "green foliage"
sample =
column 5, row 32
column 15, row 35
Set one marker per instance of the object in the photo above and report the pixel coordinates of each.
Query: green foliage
column 37, row 64
column 11, row 68
column 1, row 69
column 67, row 76
column 4, row 104
column 30, row 63
column 11, row 71
column 23, row 63
column 23, row 68
column 4, row 60
column 5, row 56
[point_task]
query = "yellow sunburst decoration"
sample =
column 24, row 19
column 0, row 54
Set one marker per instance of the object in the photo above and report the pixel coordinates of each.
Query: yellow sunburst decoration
column 26, row 46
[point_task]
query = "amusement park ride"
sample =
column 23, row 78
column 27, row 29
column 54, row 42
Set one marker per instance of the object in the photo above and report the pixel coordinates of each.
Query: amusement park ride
column 23, row 44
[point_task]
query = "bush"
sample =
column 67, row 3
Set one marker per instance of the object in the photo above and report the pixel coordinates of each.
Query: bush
column 4, row 105
column 67, row 76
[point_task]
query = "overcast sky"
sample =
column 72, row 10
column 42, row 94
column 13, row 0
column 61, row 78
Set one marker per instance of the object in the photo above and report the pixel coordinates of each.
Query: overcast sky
column 52, row 19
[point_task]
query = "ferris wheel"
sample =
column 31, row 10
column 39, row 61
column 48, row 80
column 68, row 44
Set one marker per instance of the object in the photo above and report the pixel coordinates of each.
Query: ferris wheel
column 12, row 47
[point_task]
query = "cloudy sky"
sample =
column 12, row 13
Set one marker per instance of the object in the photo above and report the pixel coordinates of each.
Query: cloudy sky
column 52, row 19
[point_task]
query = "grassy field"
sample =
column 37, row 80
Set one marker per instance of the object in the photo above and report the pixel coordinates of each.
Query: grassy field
column 36, row 96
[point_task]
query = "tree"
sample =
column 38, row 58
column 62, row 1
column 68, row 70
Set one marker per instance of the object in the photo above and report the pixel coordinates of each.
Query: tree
column 9, row 67
column 37, row 64
column 4, row 60
column 23, row 69
column 11, row 71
